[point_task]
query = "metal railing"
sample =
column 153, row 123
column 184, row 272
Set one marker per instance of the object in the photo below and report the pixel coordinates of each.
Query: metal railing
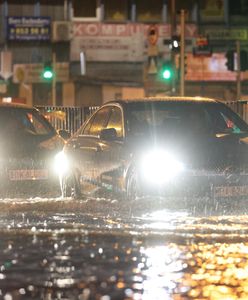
column 66, row 118
column 240, row 107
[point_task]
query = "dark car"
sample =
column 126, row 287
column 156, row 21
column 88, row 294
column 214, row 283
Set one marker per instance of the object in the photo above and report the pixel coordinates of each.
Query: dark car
column 180, row 146
column 28, row 144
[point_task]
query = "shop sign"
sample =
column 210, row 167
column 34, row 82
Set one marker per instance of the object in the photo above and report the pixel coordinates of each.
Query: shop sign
column 227, row 34
column 32, row 73
column 120, row 42
column 28, row 28
column 213, row 68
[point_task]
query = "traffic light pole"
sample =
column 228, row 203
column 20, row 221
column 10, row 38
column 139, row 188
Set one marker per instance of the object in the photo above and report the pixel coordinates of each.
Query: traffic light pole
column 238, row 70
column 173, row 31
column 182, row 53
column 54, row 79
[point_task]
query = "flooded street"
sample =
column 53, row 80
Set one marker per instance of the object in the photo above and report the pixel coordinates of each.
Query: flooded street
column 98, row 248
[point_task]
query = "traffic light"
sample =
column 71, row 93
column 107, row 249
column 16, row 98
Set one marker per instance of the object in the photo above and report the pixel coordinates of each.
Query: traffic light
column 185, row 63
column 167, row 71
column 47, row 72
column 230, row 60
column 243, row 60
column 178, row 63
column 175, row 43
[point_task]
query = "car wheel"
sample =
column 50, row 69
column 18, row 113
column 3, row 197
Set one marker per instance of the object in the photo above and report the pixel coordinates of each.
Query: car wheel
column 70, row 187
column 133, row 187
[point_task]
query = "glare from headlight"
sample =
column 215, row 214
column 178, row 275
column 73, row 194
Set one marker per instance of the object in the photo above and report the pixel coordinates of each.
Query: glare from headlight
column 159, row 166
column 61, row 163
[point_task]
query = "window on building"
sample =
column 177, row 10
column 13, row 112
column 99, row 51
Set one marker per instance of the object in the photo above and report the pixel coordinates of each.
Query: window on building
column 238, row 11
column 25, row 7
column 51, row 2
column 212, row 11
column 84, row 9
column 149, row 11
column 118, row 11
column 238, row 7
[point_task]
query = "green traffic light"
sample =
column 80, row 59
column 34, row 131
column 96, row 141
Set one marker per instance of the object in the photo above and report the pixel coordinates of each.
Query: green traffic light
column 166, row 71
column 48, row 74
column 166, row 74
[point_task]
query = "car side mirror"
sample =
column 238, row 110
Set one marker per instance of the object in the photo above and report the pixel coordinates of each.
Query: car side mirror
column 64, row 134
column 109, row 134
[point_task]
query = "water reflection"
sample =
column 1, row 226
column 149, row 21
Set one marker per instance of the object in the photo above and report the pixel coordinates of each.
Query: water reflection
column 163, row 268
column 60, row 249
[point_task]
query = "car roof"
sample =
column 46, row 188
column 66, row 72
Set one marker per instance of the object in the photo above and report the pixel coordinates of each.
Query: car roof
column 15, row 105
column 165, row 99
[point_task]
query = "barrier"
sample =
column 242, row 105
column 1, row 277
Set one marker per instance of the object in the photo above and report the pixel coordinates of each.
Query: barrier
column 240, row 107
column 66, row 118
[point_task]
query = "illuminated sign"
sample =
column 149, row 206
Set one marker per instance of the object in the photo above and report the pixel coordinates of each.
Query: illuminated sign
column 227, row 34
column 28, row 28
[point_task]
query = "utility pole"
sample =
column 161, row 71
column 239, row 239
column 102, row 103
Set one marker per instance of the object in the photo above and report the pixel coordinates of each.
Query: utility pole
column 173, row 32
column 54, row 78
column 182, row 53
column 238, row 70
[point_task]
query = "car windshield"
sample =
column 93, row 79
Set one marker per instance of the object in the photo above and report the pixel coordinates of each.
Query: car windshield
column 183, row 117
column 17, row 121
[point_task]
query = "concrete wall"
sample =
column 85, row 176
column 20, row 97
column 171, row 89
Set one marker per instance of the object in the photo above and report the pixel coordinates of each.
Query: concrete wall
column 88, row 95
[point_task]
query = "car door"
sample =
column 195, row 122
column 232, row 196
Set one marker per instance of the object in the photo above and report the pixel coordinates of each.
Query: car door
column 85, row 146
column 110, row 157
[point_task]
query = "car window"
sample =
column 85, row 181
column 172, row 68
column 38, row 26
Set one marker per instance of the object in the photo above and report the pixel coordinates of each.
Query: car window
column 97, row 122
column 224, row 120
column 169, row 117
column 183, row 118
column 17, row 121
column 115, row 121
column 36, row 123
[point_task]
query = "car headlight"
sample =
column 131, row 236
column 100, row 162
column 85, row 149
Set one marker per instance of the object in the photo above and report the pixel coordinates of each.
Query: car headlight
column 159, row 166
column 61, row 163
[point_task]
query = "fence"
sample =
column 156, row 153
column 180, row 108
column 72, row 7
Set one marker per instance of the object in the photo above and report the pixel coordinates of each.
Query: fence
column 71, row 118
column 67, row 118
column 240, row 107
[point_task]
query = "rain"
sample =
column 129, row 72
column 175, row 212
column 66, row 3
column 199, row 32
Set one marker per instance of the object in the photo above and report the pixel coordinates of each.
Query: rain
column 102, row 248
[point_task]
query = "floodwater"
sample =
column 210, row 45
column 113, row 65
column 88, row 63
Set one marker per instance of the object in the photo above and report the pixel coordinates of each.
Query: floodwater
column 100, row 248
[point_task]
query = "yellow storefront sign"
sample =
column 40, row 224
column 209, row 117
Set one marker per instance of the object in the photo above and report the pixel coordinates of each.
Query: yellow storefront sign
column 227, row 34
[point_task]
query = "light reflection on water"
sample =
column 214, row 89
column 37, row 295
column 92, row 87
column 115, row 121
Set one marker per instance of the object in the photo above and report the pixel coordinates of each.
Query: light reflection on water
column 64, row 249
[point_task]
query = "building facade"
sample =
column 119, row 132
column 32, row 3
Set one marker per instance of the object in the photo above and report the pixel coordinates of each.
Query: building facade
column 106, row 49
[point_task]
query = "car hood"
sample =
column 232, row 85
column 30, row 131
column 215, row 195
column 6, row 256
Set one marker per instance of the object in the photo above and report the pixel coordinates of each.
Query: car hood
column 219, row 151
column 29, row 145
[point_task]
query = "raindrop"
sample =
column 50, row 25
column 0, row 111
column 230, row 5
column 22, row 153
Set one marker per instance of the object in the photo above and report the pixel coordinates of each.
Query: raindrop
column 22, row 291
column 129, row 293
column 30, row 288
column 105, row 297
column 33, row 229
column 104, row 285
column 100, row 250
column 8, row 297
column 112, row 278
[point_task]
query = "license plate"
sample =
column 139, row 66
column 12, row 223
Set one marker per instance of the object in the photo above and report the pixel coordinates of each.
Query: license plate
column 231, row 191
column 28, row 174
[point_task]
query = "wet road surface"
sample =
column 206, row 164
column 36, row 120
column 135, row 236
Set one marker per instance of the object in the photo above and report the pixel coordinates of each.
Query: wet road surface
column 100, row 248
